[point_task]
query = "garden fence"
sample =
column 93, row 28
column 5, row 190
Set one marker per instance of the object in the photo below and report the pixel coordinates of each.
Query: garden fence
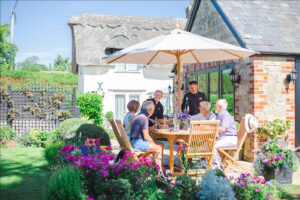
column 38, row 106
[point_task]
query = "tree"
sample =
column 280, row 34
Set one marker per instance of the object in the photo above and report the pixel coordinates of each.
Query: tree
column 7, row 50
column 62, row 64
column 31, row 64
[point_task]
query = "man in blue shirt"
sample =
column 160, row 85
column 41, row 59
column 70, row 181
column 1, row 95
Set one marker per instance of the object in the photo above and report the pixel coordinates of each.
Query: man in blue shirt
column 140, row 138
column 227, row 136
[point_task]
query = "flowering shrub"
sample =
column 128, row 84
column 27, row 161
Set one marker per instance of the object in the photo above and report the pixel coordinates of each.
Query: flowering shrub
column 248, row 187
column 100, row 172
column 271, row 156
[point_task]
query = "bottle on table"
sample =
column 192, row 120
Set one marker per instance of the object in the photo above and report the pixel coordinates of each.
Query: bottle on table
column 187, row 107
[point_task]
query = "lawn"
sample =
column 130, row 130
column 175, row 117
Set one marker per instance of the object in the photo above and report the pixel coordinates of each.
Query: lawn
column 23, row 174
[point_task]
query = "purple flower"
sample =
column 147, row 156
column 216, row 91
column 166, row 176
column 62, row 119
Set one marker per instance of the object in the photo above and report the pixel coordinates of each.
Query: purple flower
column 257, row 189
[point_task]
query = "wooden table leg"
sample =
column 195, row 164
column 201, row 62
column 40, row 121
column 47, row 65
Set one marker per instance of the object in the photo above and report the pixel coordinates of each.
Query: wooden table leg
column 171, row 141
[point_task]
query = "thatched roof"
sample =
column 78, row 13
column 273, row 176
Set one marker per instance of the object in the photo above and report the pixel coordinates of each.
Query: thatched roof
column 93, row 34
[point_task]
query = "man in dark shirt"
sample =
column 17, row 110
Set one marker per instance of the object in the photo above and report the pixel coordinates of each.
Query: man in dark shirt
column 140, row 138
column 194, row 98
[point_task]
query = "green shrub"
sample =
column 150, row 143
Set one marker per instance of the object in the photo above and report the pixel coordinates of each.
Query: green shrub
column 117, row 189
column 187, row 189
column 38, row 138
column 51, row 154
column 6, row 133
column 69, row 126
column 91, row 106
column 109, row 115
column 65, row 184
column 90, row 131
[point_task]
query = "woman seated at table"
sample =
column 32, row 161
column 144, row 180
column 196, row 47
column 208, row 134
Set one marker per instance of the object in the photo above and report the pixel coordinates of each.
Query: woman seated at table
column 140, row 138
column 227, row 136
column 158, row 111
column 205, row 112
column 133, row 107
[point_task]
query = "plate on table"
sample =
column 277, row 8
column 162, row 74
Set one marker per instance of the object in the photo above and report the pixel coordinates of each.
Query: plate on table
column 164, row 130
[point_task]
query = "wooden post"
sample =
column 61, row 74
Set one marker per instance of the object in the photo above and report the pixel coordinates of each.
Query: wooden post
column 178, row 79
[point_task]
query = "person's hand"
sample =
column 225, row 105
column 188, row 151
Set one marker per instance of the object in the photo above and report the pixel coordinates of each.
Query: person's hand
column 151, row 128
column 151, row 120
column 163, row 126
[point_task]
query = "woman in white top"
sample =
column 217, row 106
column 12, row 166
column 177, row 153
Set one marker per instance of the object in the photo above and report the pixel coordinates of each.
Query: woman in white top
column 205, row 112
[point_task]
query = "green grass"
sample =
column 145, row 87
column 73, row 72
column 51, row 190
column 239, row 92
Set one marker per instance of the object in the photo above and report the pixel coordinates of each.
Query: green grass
column 18, row 78
column 23, row 174
column 291, row 192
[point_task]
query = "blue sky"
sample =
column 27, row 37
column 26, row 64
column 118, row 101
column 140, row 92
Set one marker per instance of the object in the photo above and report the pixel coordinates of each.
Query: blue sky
column 41, row 27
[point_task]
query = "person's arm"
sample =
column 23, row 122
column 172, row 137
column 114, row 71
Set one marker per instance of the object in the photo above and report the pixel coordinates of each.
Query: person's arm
column 147, row 137
column 161, row 112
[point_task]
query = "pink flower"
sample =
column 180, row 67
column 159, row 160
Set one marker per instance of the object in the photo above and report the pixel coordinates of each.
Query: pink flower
column 272, row 159
column 108, row 148
column 148, row 161
column 133, row 168
column 278, row 158
column 104, row 173
column 97, row 141
column 89, row 142
column 266, row 160
column 90, row 198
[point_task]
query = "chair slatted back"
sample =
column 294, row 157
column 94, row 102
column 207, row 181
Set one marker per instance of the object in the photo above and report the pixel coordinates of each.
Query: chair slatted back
column 127, row 144
column 202, row 137
column 117, row 132
column 242, row 132
column 242, row 135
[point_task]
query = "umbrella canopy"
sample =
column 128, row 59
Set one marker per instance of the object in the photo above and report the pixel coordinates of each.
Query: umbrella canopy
column 177, row 47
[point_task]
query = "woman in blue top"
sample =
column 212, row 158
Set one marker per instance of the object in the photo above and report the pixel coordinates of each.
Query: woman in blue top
column 133, row 106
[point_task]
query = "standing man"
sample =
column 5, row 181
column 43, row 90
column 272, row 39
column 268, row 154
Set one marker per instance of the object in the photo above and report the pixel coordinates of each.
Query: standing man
column 192, row 100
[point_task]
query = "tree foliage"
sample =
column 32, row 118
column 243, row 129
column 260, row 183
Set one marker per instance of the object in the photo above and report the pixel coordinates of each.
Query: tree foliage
column 31, row 64
column 62, row 64
column 7, row 50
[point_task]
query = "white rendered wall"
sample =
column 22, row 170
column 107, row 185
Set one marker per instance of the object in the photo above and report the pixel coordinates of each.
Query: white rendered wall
column 143, row 82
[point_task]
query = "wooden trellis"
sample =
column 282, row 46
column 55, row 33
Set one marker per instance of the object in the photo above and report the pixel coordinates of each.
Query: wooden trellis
column 38, row 106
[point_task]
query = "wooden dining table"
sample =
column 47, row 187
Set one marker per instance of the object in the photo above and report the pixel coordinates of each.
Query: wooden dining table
column 172, row 136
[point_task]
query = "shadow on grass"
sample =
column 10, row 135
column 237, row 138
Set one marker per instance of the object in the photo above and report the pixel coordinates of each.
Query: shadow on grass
column 23, row 174
column 290, row 192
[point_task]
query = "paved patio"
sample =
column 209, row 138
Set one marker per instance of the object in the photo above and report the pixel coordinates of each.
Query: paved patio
column 232, row 172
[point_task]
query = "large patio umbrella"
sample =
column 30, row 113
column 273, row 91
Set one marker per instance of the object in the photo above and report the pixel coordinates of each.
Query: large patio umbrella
column 177, row 47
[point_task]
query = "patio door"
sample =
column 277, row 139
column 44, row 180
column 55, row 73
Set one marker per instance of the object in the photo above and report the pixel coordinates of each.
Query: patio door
column 297, row 102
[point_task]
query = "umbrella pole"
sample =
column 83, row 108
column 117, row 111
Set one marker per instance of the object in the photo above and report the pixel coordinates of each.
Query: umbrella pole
column 178, row 79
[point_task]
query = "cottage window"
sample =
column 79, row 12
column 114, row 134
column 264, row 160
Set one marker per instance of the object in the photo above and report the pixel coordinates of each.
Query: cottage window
column 127, row 67
column 120, row 106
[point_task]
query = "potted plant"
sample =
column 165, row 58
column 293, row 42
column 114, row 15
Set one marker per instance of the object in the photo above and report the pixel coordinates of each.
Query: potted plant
column 275, row 162
column 275, row 129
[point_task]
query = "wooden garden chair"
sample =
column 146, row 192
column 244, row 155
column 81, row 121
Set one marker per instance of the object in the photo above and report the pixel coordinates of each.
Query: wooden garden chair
column 117, row 133
column 229, row 160
column 201, row 142
column 127, row 144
